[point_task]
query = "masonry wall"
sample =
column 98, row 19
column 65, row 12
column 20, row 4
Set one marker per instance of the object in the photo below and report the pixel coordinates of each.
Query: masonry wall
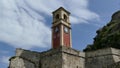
column 25, row 59
column 115, row 65
column 21, row 63
column 73, row 59
column 66, row 58
column 51, row 59
column 62, row 58
column 102, row 58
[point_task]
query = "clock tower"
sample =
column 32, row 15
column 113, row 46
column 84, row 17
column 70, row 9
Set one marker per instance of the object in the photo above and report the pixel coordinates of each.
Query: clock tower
column 61, row 29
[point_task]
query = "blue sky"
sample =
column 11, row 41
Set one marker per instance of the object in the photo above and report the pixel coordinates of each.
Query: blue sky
column 27, row 23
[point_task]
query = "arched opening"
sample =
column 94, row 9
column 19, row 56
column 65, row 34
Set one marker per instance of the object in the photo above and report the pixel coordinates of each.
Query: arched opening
column 57, row 16
column 65, row 17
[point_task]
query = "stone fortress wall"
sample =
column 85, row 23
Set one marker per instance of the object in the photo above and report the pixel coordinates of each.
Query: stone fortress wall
column 25, row 59
column 66, row 58
column 53, row 58
column 102, row 58
column 115, row 65
column 73, row 58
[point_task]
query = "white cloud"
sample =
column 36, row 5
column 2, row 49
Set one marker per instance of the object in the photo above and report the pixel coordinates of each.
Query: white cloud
column 22, row 21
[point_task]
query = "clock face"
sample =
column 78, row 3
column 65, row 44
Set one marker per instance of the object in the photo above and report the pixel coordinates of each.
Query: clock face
column 66, row 29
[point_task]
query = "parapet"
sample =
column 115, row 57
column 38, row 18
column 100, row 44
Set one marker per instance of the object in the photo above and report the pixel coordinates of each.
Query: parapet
column 64, row 50
column 99, row 52
column 24, row 57
column 102, row 58
column 102, row 52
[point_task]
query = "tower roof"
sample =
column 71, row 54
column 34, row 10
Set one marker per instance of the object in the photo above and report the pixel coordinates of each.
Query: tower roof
column 61, row 8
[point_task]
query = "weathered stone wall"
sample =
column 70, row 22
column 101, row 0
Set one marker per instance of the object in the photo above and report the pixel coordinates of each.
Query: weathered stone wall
column 72, row 61
column 54, row 58
column 51, row 59
column 101, row 58
column 66, row 58
column 72, row 58
column 24, row 59
column 116, row 54
column 18, row 62
column 62, row 58
column 115, row 65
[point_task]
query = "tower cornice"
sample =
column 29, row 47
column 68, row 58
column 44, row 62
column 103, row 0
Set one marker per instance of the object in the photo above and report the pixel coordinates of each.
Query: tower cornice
column 62, row 20
column 63, row 23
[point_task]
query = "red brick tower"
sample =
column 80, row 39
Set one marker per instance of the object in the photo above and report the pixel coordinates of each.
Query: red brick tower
column 61, row 29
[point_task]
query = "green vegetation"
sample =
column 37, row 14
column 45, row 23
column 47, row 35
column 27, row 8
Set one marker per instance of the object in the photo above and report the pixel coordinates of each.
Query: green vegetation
column 108, row 36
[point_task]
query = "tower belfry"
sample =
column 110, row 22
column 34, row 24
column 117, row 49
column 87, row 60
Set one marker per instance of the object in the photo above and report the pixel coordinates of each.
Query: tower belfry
column 61, row 28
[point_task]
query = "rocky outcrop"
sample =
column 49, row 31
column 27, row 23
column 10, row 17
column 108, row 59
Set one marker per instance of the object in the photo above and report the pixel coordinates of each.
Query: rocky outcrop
column 108, row 36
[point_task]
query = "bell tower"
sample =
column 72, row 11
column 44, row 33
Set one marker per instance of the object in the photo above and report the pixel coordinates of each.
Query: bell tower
column 61, row 29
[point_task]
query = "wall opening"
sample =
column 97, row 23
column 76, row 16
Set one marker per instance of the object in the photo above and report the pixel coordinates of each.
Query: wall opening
column 65, row 17
column 57, row 16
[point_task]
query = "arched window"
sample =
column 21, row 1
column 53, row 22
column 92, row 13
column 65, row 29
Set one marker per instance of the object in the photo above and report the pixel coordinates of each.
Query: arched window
column 57, row 16
column 65, row 17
